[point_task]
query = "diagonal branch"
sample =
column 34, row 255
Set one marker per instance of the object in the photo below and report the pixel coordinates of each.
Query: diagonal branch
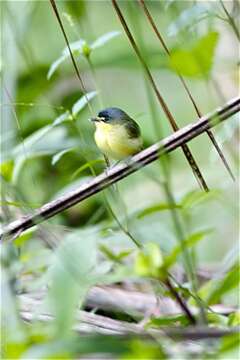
column 120, row 171
column 164, row 45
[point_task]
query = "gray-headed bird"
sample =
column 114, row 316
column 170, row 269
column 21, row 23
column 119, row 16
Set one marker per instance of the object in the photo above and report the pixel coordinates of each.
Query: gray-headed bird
column 117, row 135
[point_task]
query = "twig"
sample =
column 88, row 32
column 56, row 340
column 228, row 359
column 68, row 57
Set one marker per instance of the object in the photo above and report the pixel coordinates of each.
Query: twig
column 120, row 171
column 180, row 301
column 30, row 310
column 185, row 148
column 231, row 20
column 133, row 302
column 54, row 6
column 164, row 45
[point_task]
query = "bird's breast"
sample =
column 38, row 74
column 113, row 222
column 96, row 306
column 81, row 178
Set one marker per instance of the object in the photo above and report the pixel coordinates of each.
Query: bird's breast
column 114, row 141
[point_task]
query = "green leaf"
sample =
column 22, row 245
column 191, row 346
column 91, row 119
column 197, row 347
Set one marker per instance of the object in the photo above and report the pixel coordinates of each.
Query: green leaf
column 197, row 61
column 88, row 165
column 217, row 319
column 149, row 261
column 102, row 40
column 71, row 276
column 26, row 236
column 60, row 154
column 156, row 208
column 76, row 47
column 31, row 140
column 18, row 166
column 82, row 102
column 234, row 319
column 48, row 139
column 55, row 65
column 223, row 286
column 145, row 350
column 111, row 255
column 168, row 321
column 62, row 118
column 192, row 240
column 197, row 197
column 6, row 169
column 229, row 348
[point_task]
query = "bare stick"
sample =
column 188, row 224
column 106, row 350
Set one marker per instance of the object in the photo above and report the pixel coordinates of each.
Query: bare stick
column 89, row 323
column 164, row 45
column 120, row 171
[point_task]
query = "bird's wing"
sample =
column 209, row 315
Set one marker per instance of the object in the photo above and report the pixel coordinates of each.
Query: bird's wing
column 132, row 128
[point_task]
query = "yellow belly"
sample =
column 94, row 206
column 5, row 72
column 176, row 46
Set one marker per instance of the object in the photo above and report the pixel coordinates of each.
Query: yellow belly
column 113, row 141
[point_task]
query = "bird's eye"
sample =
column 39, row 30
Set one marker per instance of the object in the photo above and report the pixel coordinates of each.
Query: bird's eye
column 105, row 119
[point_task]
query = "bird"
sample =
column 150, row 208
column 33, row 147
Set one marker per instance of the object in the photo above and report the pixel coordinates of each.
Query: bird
column 117, row 135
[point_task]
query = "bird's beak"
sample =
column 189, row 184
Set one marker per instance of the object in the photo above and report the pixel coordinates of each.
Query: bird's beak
column 96, row 119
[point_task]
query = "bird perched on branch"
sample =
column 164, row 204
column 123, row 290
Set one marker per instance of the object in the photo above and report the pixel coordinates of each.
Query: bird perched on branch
column 117, row 135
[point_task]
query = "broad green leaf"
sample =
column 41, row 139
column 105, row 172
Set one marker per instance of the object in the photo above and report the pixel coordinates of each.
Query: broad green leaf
column 88, row 165
column 229, row 348
column 55, row 65
column 192, row 240
column 60, row 154
column 149, row 261
column 196, row 197
column 197, row 61
column 71, row 276
column 82, row 102
column 234, row 319
column 156, row 208
column 221, row 287
column 145, row 350
column 102, row 40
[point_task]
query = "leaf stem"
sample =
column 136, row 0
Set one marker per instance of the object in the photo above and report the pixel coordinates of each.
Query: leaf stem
column 231, row 20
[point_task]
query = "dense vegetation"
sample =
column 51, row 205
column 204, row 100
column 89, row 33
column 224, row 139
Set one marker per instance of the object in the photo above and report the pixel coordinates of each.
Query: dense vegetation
column 148, row 268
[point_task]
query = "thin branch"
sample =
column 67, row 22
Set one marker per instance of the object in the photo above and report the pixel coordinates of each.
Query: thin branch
column 231, row 20
column 180, row 301
column 54, row 6
column 120, row 171
column 185, row 148
column 164, row 45
column 89, row 323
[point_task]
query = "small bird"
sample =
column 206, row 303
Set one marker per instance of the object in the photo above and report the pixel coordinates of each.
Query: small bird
column 117, row 135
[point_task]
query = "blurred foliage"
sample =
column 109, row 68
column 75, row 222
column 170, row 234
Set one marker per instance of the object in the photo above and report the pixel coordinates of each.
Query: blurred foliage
column 47, row 149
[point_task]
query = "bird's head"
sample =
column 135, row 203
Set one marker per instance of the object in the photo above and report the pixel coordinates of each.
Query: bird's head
column 111, row 116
